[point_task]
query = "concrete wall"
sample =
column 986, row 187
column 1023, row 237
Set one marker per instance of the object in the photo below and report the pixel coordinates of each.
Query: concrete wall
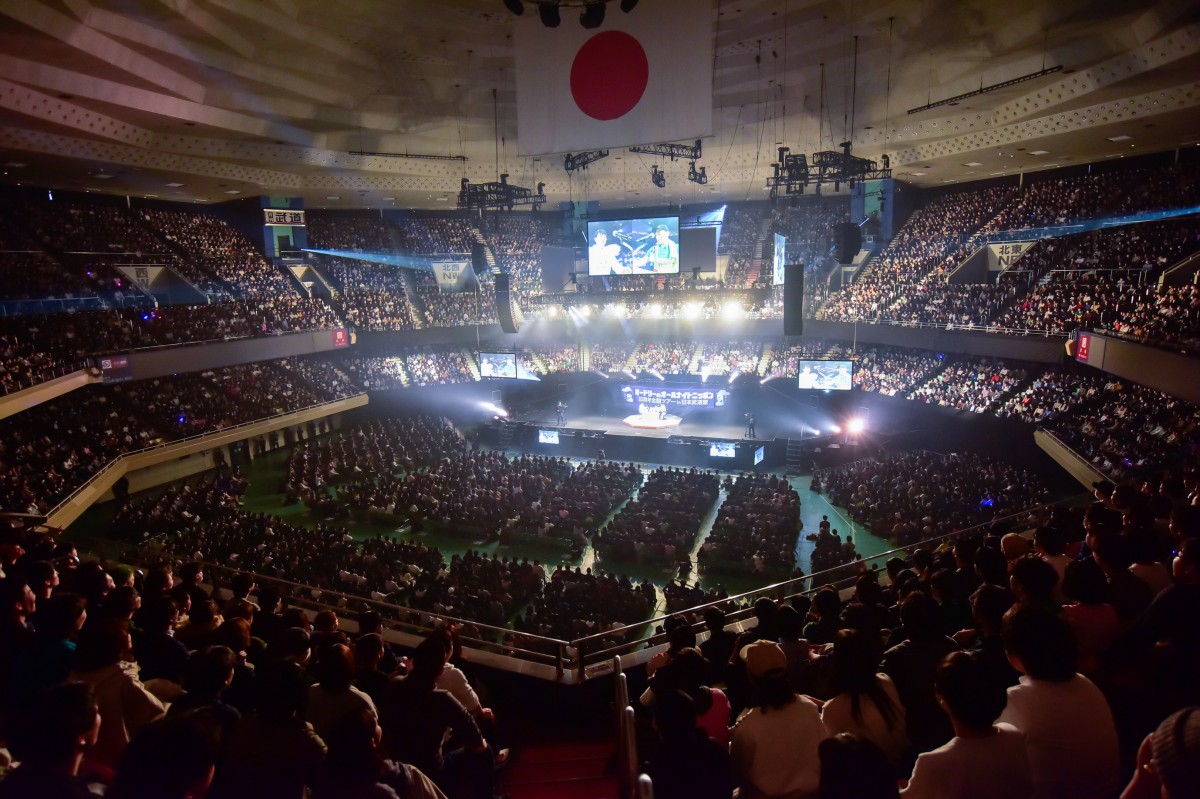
column 162, row 361
column 26, row 398
column 1169, row 372
column 1073, row 463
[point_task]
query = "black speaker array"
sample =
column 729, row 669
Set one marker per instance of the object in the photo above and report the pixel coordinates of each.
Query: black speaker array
column 479, row 258
column 793, row 300
column 504, row 305
column 849, row 242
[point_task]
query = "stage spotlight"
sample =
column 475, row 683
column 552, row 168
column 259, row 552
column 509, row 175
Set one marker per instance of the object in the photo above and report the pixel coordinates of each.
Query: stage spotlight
column 658, row 177
column 548, row 12
column 734, row 376
column 654, row 311
column 692, row 310
column 733, row 310
column 515, row 6
column 493, row 408
column 704, row 374
column 585, row 311
column 628, row 5
column 835, row 428
column 602, row 374
column 632, row 376
column 657, row 374
column 856, row 426
column 592, row 16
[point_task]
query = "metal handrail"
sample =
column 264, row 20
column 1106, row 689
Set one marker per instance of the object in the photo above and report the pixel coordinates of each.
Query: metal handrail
column 47, row 374
column 780, row 590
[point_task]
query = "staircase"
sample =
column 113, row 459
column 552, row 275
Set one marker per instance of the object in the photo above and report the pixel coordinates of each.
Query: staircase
column 764, row 361
column 753, row 270
column 539, row 365
column 473, row 365
column 416, row 305
column 795, row 456
column 564, row 771
column 505, row 436
column 585, row 357
column 697, row 361
column 489, row 256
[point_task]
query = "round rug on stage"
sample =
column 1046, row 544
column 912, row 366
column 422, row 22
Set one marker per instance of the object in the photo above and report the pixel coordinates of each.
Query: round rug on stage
column 652, row 422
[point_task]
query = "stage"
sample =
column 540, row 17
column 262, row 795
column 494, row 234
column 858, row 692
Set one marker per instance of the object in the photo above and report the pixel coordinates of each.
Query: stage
column 617, row 427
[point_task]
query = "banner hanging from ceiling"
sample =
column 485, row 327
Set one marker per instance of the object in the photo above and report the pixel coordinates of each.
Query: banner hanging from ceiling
column 642, row 77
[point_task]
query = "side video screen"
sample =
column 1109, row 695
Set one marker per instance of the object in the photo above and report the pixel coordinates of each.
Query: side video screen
column 826, row 375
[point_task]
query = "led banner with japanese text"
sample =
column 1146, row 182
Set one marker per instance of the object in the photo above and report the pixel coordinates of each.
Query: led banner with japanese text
column 675, row 398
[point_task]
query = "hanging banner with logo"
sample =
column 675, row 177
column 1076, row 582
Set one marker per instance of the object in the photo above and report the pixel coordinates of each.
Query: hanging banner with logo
column 452, row 275
column 639, row 78
column 675, row 398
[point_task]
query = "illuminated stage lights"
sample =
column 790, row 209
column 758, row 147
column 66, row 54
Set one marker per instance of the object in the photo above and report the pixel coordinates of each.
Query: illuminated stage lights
column 856, row 426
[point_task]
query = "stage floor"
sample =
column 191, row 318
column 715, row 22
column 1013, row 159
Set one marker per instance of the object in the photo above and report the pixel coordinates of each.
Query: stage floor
column 616, row 427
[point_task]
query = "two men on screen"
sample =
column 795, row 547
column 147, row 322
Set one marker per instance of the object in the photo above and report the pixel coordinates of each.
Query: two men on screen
column 662, row 257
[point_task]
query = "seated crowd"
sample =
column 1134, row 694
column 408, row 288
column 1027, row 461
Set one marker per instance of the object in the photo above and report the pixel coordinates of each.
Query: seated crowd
column 661, row 524
column 975, row 385
column 986, row 668
column 53, row 448
column 760, row 517
column 918, row 495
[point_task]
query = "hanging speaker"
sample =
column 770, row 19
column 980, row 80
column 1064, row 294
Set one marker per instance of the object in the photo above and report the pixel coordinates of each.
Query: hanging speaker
column 849, row 242
column 479, row 258
column 793, row 300
column 504, row 304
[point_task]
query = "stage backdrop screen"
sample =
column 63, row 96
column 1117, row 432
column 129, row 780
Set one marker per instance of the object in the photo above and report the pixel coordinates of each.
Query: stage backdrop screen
column 498, row 364
column 634, row 246
column 722, row 449
column 759, row 454
column 780, row 258
column 547, row 436
column 827, row 375
column 686, row 398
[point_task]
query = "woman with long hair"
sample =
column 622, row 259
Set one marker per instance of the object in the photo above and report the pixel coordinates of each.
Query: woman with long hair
column 865, row 703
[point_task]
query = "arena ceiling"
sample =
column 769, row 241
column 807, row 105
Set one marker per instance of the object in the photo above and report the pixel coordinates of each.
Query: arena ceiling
column 208, row 100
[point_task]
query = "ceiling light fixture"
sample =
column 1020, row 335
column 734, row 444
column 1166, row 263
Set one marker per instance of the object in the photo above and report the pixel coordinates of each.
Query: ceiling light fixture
column 548, row 13
column 592, row 15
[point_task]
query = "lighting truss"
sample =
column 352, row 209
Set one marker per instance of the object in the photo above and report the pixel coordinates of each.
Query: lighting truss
column 502, row 196
column 1004, row 84
column 688, row 152
column 790, row 173
column 574, row 161
column 842, row 167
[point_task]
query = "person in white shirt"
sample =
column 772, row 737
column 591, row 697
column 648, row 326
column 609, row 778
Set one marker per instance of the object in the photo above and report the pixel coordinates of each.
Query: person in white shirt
column 1071, row 738
column 774, row 743
column 984, row 760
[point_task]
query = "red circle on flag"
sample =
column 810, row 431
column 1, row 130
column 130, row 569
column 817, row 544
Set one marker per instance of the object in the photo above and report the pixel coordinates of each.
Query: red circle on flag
column 609, row 75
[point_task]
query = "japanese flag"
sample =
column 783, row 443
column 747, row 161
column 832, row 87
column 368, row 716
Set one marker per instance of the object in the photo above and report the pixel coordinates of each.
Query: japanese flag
column 640, row 78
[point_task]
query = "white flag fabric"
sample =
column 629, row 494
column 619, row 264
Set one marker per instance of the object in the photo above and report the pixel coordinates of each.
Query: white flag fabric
column 640, row 78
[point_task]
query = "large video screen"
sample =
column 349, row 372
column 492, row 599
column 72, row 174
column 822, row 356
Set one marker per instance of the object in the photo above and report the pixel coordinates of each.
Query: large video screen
column 780, row 258
column 634, row 246
column 674, row 398
column 547, row 436
column 722, row 449
column 827, row 375
column 498, row 364
column 759, row 454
